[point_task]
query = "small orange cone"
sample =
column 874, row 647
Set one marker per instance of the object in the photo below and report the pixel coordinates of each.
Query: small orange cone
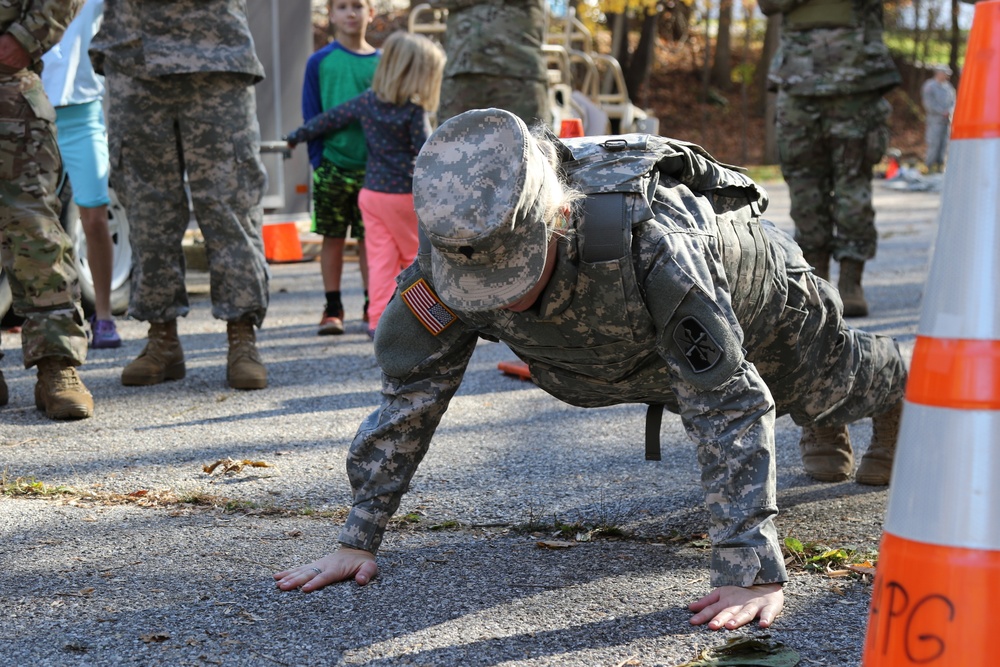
column 938, row 575
column 281, row 242
column 518, row 369
column 570, row 127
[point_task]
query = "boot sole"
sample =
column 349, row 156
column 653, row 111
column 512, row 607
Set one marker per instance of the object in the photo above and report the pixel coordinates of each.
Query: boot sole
column 175, row 372
column 70, row 412
column 829, row 477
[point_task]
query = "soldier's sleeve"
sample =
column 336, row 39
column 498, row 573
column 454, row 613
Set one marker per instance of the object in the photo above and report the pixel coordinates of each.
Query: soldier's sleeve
column 726, row 409
column 423, row 350
column 43, row 24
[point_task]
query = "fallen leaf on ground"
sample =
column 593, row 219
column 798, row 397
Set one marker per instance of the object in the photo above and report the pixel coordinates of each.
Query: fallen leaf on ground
column 155, row 637
column 232, row 466
column 554, row 544
column 746, row 652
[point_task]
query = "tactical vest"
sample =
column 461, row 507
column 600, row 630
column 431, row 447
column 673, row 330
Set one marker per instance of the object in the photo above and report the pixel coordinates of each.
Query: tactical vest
column 611, row 169
column 821, row 14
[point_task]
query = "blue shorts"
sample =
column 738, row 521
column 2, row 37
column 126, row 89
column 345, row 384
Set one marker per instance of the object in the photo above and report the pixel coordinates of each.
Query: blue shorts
column 83, row 142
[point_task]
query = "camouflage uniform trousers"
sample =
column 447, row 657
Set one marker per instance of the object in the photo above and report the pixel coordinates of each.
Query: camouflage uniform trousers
column 203, row 124
column 936, row 135
column 37, row 254
column 827, row 148
column 525, row 98
column 820, row 370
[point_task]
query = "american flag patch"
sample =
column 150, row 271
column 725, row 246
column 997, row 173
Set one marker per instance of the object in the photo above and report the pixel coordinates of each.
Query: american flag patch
column 426, row 307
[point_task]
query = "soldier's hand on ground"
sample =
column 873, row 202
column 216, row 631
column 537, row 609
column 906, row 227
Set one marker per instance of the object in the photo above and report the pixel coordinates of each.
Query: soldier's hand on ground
column 13, row 57
column 342, row 564
column 731, row 607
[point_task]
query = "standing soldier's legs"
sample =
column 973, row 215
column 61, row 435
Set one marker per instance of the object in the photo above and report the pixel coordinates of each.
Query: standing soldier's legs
column 936, row 136
column 147, row 173
column 859, row 134
column 527, row 99
column 805, row 165
column 36, row 254
column 221, row 146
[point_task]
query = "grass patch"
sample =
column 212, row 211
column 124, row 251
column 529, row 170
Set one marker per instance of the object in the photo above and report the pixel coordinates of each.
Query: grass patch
column 823, row 559
column 29, row 486
column 765, row 173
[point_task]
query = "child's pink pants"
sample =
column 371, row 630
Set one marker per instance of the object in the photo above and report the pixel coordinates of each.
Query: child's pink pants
column 391, row 243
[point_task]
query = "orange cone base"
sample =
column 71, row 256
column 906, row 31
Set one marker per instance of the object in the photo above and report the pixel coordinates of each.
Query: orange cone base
column 931, row 605
column 281, row 242
column 518, row 369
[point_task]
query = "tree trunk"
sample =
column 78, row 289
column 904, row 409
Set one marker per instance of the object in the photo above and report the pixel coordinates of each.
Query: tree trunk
column 772, row 37
column 641, row 61
column 722, row 69
column 771, row 43
column 956, row 38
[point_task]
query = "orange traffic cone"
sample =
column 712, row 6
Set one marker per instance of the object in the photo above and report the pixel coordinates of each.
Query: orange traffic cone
column 939, row 564
column 570, row 127
column 281, row 242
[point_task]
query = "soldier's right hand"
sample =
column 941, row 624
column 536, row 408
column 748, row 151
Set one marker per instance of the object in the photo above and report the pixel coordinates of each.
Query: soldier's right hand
column 344, row 563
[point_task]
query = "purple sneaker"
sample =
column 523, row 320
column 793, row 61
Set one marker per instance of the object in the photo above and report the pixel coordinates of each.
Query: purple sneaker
column 104, row 334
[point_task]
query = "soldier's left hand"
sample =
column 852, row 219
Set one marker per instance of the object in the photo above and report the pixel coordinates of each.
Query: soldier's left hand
column 13, row 56
column 731, row 607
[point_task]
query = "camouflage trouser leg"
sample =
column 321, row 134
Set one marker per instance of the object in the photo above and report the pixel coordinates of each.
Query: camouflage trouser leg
column 525, row 98
column 37, row 255
column 828, row 147
column 204, row 125
column 936, row 136
column 822, row 371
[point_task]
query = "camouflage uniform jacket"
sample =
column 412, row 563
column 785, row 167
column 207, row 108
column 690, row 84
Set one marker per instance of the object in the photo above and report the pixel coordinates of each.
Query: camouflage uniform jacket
column 660, row 324
column 494, row 37
column 151, row 38
column 831, row 47
column 36, row 25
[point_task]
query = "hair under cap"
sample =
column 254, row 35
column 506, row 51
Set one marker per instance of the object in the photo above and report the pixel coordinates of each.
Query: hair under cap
column 480, row 186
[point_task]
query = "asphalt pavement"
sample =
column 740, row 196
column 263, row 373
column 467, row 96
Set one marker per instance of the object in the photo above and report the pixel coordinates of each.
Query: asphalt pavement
column 117, row 547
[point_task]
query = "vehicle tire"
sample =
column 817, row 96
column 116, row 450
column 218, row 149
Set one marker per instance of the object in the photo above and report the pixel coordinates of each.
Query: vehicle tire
column 121, row 263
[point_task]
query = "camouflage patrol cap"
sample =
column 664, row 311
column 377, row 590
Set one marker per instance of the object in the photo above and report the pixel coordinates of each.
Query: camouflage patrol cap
column 480, row 188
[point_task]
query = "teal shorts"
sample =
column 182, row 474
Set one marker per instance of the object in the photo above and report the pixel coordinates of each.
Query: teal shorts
column 83, row 142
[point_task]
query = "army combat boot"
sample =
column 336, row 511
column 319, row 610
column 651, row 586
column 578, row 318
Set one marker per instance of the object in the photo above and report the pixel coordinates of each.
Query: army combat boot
column 876, row 464
column 59, row 392
column 820, row 261
column 244, row 367
column 826, row 453
column 4, row 396
column 849, row 285
column 161, row 359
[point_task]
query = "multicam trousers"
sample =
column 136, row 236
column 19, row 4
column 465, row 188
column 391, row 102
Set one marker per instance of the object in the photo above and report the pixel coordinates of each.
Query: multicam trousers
column 37, row 254
column 827, row 147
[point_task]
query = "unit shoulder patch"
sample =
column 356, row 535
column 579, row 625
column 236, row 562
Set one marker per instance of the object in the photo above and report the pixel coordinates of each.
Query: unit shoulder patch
column 697, row 345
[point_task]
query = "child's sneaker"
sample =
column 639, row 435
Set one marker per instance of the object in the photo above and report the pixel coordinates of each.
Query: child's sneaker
column 104, row 334
column 331, row 325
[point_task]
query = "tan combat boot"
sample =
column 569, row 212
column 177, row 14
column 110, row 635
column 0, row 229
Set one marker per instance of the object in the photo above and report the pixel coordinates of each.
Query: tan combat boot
column 59, row 392
column 826, row 453
column 4, row 395
column 849, row 285
column 876, row 464
column 244, row 367
column 161, row 359
column 820, row 261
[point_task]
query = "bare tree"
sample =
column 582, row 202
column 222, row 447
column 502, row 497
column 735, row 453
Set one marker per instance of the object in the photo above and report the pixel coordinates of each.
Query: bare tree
column 722, row 67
